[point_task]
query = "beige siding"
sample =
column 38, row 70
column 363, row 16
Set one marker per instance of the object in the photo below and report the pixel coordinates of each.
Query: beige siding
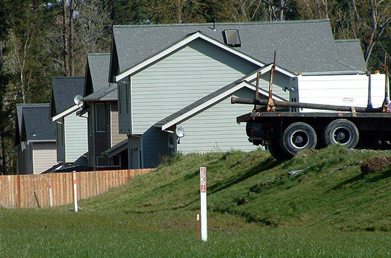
column 116, row 137
column 44, row 156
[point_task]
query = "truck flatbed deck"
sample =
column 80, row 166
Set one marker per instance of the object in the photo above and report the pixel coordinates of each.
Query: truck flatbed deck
column 253, row 115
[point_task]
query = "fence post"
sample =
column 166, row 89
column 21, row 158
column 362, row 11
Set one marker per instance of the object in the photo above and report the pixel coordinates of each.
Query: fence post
column 19, row 198
column 50, row 192
column 75, row 190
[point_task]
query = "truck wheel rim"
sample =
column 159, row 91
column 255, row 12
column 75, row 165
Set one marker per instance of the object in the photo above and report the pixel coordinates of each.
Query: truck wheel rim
column 299, row 139
column 342, row 135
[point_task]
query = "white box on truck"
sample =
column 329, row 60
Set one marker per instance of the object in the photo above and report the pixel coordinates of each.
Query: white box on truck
column 344, row 90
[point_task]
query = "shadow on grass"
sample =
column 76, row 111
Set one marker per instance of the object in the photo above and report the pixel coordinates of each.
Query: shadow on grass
column 385, row 174
column 349, row 181
column 368, row 178
column 263, row 166
column 172, row 208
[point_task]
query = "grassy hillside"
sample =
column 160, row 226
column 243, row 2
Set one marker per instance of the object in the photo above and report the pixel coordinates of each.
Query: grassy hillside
column 255, row 209
column 330, row 189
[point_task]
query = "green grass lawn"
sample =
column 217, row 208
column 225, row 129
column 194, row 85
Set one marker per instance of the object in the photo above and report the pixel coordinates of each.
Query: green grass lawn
column 255, row 210
column 60, row 233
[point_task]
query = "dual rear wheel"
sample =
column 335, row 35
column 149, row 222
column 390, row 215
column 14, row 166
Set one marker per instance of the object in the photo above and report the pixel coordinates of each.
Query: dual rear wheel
column 300, row 136
column 341, row 131
column 296, row 137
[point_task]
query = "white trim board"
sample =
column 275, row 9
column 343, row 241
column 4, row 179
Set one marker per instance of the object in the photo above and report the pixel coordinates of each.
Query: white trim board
column 265, row 69
column 185, row 41
column 66, row 112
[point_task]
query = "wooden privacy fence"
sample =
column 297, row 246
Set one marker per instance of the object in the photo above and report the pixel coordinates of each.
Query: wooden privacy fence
column 29, row 191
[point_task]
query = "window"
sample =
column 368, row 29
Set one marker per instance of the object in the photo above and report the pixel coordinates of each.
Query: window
column 120, row 96
column 116, row 161
column 108, row 115
column 171, row 143
column 100, row 117
column 62, row 133
column 123, row 97
column 127, row 98
column 58, row 134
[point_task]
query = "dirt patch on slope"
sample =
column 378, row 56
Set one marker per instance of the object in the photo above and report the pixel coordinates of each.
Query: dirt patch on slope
column 375, row 164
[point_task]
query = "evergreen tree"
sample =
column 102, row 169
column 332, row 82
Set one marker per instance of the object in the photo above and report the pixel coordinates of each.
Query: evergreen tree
column 5, row 112
column 128, row 11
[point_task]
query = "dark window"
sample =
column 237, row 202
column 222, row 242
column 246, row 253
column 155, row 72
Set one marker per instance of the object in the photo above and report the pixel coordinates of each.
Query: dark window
column 100, row 114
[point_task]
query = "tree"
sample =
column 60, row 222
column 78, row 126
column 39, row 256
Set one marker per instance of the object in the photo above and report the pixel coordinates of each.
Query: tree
column 254, row 10
column 92, row 29
column 27, row 64
column 5, row 112
column 371, row 19
column 176, row 11
column 239, row 10
column 26, row 68
column 128, row 11
column 85, row 27
column 313, row 9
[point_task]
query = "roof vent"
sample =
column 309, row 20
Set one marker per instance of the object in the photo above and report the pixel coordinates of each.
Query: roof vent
column 232, row 38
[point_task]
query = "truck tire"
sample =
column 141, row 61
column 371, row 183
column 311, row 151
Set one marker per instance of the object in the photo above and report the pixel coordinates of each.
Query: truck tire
column 297, row 137
column 341, row 131
column 278, row 152
column 370, row 142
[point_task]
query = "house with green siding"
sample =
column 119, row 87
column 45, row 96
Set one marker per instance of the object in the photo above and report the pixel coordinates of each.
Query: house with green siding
column 183, row 76
column 72, row 141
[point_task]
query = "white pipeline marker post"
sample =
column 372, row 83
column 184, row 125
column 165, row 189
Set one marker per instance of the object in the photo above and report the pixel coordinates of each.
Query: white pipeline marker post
column 75, row 190
column 50, row 192
column 204, row 223
column 198, row 226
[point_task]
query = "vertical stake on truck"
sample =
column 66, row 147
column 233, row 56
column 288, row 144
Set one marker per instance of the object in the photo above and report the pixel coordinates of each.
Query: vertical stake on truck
column 386, row 104
column 289, row 130
column 270, row 104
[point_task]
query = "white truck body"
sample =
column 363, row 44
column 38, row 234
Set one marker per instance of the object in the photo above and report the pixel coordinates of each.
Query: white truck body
column 344, row 90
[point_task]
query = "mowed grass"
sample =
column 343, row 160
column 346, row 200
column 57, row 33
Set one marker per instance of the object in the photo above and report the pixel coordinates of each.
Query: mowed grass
column 45, row 233
column 255, row 209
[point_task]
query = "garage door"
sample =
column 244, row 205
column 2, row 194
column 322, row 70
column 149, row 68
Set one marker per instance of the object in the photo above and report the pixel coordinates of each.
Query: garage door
column 44, row 156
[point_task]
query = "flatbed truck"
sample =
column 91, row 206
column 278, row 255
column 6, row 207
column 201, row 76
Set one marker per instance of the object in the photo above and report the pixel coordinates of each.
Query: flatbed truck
column 285, row 131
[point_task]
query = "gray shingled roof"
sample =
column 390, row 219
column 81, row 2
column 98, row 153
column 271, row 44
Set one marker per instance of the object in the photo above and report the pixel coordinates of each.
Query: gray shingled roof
column 19, row 113
column 64, row 90
column 349, row 51
column 99, row 64
column 19, row 117
column 104, row 94
column 119, row 147
column 36, row 123
column 302, row 46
